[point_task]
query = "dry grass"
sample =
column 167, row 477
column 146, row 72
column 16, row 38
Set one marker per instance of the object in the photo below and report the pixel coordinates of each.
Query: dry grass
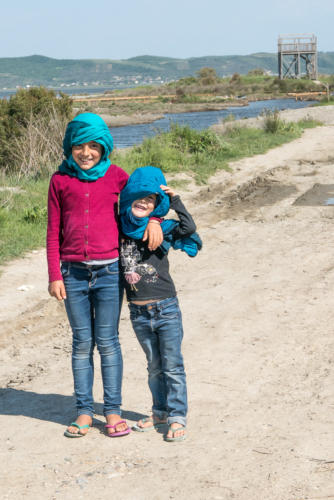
column 39, row 147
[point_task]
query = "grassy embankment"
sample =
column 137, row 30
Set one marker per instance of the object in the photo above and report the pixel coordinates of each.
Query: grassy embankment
column 23, row 201
column 326, row 101
column 22, row 216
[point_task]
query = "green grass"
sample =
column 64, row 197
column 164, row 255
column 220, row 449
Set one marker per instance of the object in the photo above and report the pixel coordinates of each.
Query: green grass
column 309, row 123
column 202, row 153
column 22, row 217
column 325, row 102
column 179, row 184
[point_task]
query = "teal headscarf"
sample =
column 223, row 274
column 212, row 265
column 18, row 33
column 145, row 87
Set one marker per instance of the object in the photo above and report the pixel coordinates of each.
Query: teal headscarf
column 84, row 128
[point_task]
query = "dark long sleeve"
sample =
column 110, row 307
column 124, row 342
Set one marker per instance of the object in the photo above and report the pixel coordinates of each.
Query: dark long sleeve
column 187, row 225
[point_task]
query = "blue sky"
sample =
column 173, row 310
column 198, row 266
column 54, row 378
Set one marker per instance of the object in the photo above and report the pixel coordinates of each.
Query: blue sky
column 106, row 29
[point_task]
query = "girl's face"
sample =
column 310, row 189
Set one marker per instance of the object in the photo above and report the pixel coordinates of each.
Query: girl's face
column 144, row 206
column 87, row 155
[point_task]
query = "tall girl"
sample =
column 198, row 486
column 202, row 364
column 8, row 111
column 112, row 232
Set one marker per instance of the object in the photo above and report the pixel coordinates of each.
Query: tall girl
column 82, row 236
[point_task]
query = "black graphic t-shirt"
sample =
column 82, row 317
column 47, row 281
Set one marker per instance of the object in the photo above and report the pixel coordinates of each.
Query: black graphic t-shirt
column 146, row 273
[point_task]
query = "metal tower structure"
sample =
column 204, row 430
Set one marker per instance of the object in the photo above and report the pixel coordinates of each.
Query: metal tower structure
column 297, row 56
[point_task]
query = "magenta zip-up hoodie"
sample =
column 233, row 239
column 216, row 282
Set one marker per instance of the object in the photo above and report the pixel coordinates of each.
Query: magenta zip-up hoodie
column 83, row 218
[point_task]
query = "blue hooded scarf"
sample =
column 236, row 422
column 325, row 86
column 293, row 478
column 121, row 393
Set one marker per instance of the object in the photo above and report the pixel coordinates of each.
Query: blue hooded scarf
column 141, row 183
column 84, row 128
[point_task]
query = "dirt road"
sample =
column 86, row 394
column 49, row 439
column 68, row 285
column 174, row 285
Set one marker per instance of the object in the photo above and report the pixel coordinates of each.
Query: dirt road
column 258, row 315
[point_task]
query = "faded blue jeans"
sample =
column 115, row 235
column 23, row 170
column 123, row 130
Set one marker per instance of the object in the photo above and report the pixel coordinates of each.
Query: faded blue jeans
column 93, row 306
column 158, row 327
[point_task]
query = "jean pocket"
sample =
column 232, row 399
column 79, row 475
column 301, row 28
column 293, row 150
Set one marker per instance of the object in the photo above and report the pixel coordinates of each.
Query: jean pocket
column 112, row 268
column 171, row 311
column 65, row 269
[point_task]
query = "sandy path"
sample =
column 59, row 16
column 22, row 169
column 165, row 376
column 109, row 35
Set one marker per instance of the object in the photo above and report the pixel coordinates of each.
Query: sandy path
column 258, row 314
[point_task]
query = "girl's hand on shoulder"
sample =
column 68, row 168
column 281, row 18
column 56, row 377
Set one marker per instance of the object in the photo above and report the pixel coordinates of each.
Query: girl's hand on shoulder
column 168, row 190
column 57, row 289
column 154, row 234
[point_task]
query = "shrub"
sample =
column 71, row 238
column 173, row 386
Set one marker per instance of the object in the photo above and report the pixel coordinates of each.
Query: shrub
column 272, row 122
column 188, row 140
column 188, row 80
column 25, row 116
column 189, row 99
column 207, row 76
column 38, row 147
column 256, row 72
column 36, row 101
column 235, row 78
column 180, row 92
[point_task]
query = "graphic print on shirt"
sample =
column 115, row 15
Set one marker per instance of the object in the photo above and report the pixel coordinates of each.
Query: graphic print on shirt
column 134, row 269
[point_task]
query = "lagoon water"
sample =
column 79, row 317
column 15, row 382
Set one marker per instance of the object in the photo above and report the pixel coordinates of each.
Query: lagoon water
column 134, row 134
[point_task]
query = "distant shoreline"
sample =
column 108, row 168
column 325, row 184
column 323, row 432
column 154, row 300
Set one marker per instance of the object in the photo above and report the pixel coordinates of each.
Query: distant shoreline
column 160, row 110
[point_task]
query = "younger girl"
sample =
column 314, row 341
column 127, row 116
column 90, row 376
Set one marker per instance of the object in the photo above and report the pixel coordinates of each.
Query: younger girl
column 82, row 234
column 154, row 308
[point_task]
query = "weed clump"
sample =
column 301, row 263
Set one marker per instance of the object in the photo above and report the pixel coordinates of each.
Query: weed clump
column 35, row 214
column 272, row 123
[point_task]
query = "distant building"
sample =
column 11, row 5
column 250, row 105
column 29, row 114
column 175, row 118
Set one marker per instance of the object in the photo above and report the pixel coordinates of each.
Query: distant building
column 297, row 56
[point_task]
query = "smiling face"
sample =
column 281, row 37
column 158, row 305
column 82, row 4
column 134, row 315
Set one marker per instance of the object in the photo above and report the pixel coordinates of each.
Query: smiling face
column 87, row 155
column 144, row 206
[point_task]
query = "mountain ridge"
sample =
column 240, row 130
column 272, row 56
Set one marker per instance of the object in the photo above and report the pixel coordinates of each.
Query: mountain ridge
column 38, row 69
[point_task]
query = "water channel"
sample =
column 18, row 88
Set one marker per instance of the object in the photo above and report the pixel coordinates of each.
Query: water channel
column 134, row 134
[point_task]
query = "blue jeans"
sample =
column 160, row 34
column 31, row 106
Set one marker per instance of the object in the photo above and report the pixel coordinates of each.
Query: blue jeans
column 158, row 327
column 93, row 306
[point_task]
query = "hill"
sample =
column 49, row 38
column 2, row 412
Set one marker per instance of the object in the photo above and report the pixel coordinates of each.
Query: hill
column 41, row 70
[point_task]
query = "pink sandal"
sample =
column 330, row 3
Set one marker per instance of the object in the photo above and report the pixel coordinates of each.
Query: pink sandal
column 120, row 433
